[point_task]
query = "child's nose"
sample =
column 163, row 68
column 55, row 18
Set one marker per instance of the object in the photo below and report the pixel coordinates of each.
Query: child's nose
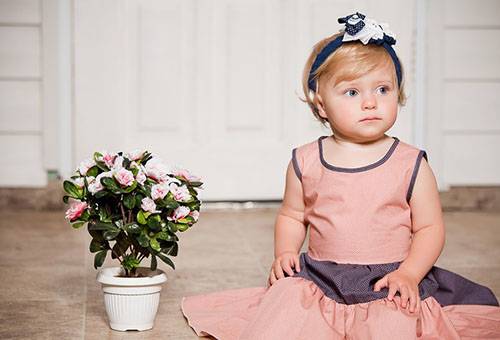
column 369, row 102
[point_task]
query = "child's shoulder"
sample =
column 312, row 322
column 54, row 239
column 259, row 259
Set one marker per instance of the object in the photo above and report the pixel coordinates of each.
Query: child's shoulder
column 407, row 149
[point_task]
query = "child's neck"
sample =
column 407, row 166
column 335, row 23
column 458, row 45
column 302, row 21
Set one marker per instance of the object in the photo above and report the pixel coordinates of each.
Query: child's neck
column 349, row 142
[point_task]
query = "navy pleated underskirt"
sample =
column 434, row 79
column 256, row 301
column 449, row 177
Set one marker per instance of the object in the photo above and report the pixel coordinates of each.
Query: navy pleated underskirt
column 353, row 283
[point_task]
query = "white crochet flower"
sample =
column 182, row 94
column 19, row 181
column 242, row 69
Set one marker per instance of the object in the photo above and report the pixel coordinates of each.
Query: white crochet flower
column 371, row 30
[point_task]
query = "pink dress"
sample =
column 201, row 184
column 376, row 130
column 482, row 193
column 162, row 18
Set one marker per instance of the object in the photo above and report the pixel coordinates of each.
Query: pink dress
column 360, row 230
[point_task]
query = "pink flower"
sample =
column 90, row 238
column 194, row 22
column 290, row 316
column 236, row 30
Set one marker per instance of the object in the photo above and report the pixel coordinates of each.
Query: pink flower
column 141, row 177
column 181, row 193
column 124, row 177
column 183, row 173
column 179, row 213
column 76, row 210
column 108, row 158
column 147, row 204
column 156, row 170
column 159, row 191
column 195, row 214
column 134, row 155
column 85, row 165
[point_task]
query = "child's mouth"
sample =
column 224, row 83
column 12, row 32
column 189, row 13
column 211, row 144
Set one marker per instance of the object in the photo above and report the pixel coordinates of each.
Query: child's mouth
column 370, row 119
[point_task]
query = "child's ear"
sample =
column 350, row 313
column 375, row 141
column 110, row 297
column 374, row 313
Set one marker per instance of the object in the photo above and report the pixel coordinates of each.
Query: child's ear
column 318, row 103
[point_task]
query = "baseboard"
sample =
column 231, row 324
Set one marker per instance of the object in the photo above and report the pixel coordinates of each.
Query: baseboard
column 459, row 198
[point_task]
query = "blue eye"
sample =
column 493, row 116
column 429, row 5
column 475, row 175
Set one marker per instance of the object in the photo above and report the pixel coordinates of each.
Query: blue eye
column 384, row 89
column 351, row 93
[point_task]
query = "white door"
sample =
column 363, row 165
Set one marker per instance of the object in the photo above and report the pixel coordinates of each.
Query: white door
column 209, row 85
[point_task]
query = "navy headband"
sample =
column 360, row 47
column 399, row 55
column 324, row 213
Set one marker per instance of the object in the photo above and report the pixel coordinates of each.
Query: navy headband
column 357, row 28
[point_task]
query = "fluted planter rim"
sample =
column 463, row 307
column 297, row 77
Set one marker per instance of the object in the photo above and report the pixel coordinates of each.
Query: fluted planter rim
column 108, row 276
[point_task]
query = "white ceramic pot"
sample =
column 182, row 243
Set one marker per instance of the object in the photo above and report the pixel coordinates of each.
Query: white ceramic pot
column 131, row 302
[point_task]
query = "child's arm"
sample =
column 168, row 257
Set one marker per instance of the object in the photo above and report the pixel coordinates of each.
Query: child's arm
column 427, row 225
column 427, row 241
column 289, row 231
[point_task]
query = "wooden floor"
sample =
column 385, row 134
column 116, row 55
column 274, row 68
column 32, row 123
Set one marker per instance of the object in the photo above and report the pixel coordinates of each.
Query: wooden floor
column 48, row 288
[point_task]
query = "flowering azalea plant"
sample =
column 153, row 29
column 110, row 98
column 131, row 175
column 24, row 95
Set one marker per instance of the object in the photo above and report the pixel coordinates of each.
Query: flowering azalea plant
column 135, row 200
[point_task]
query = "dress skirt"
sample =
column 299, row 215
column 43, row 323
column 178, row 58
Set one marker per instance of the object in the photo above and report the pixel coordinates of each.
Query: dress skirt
column 328, row 300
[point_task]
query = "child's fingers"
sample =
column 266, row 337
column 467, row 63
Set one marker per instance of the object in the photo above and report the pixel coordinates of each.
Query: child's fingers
column 288, row 267
column 272, row 276
column 297, row 264
column 393, row 288
column 380, row 284
column 404, row 296
column 278, row 272
column 413, row 301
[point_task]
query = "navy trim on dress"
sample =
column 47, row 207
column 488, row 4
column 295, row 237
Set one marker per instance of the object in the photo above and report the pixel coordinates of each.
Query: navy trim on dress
column 421, row 154
column 359, row 169
column 296, row 164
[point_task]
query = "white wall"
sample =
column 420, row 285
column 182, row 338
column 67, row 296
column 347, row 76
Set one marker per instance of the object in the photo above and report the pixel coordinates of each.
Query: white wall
column 45, row 104
column 463, row 109
column 21, row 75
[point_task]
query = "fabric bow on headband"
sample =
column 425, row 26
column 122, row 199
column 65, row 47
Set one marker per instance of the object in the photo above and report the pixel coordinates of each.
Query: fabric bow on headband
column 367, row 31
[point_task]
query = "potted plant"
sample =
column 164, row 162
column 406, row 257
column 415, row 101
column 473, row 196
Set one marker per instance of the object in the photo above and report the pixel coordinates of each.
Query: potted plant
column 133, row 206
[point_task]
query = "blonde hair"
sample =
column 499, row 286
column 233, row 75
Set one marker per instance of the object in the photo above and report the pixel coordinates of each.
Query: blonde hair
column 349, row 61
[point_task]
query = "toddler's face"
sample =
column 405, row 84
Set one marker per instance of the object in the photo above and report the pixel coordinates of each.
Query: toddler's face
column 362, row 109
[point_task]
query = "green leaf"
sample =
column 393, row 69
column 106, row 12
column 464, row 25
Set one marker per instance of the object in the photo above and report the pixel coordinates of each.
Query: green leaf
column 78, row 225
column 168, row 203
column 110, row 184
column 172, row 227
column 182, row 227
column 103, row 213
column 97, row 155
column 141, row 218
column 93, row 171
column 196, row 184
column 132, row 228
column 154, row 244
column 186, row 220
column 138, row 200
column 121, row 245
column 85, row 216
column 65, row 199
column 97, row 245
column 102, row 226
column 153, row 223
column 166, row 260
column 101, row 194
column 111, row 234
column 129, row 201
column 72, row 189
column 130, row 188
column 143, row 239
column 154, row 264
column 99, row 258
column 130, row 262
column 164, row 235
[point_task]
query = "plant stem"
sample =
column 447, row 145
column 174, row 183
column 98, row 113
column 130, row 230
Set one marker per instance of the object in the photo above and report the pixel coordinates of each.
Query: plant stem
column 118, row 257
column 123, row 212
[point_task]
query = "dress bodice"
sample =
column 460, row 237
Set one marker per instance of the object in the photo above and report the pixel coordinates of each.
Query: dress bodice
column 358, row 215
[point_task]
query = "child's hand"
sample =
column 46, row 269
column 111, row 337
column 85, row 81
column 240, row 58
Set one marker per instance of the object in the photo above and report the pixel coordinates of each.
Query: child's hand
column 401, row 281
column 284, row 262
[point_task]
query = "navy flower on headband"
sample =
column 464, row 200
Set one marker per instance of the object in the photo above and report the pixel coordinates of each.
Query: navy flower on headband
column 366, row 30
